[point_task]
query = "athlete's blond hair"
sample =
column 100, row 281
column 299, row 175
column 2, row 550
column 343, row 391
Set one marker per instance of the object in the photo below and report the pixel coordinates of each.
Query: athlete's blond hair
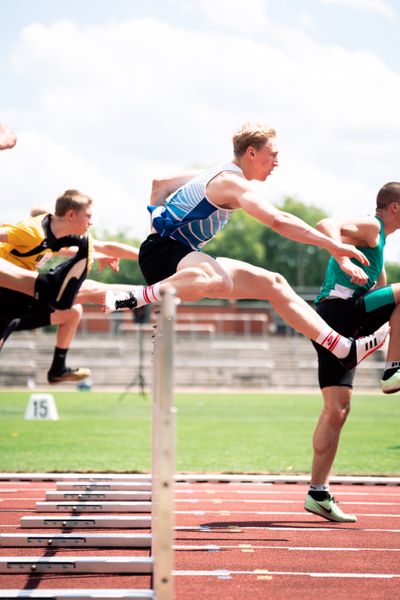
column 251, row 134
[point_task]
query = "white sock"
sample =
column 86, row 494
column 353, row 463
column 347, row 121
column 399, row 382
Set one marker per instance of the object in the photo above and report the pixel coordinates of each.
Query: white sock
column 334, row 342
column 319, row 488
column 147, row 294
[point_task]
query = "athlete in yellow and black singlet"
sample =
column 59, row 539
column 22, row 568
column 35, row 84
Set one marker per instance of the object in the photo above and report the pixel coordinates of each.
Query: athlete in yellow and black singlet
column 31, row 244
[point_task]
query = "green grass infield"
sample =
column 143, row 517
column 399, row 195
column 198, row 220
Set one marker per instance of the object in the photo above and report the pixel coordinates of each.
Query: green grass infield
column 216, row 432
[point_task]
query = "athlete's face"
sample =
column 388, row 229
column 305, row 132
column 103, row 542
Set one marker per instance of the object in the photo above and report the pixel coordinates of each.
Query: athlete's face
column 264, row 160
column 81, row 220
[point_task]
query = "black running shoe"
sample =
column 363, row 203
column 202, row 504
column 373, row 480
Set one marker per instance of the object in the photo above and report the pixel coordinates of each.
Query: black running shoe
column 68, row 375
column 59, row 287
column 115, row 300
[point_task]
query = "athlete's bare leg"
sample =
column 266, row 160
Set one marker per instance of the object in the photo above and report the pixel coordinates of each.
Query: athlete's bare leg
column 200, row 276
column 327, row 432
column 16, row 278
column 230, row 279
column 67, row 321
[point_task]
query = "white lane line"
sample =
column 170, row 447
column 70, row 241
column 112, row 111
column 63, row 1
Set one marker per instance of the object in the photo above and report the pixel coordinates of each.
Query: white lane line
column 268, row 501
column 226, row 500
column 244, row 547
column 227, row 513
column 234, row 501
column 226, row 574
column 282, row 492
column 238, row 528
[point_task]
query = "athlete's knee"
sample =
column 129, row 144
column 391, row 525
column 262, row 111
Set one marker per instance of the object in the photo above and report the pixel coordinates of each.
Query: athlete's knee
column 206, row 282
column 218, row 284
column 75, row 312
column 279, row 285
column 337, row 414
column 70, row 315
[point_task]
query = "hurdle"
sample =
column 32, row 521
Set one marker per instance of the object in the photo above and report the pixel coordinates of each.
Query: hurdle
column 163, row 450
column 77, row 497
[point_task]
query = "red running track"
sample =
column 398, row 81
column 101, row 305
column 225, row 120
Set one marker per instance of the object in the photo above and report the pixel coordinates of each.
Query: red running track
column 243, row 540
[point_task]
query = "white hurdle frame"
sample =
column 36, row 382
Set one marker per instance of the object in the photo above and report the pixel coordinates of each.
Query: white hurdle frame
column 163, row 449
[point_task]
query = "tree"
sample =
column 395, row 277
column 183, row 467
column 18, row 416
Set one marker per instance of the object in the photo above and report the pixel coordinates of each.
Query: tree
column 241, row 239
column 129, row 270
column 392, row 272
column 247, row 239
column 301, row 264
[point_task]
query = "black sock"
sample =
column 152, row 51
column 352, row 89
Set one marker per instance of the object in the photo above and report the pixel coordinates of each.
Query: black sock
column 319, row 496
column 58, row 364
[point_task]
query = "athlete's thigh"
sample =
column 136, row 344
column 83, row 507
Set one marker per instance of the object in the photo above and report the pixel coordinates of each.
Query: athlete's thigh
column 250, row 281
column 197, row 259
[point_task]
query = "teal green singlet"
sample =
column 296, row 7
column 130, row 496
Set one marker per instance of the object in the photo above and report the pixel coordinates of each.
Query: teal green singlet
column 338, row 284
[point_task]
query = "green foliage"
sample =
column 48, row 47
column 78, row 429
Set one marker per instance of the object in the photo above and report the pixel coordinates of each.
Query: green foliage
column 241, row 240
column 301, row 264
column 225, row 432
column 392, row 272
column 129, row 271
column 247, row 239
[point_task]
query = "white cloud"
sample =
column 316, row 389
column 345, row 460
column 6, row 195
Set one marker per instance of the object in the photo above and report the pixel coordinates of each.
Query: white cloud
column 39, row 169
column 110, row 106
column 236, row 15
column 307, row 20
column 377, row 6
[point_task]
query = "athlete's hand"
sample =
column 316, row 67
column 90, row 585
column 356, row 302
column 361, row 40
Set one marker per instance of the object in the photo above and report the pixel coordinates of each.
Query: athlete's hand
column 108, row 261
column 348, row 250
column 7, row 138
column 357, row 274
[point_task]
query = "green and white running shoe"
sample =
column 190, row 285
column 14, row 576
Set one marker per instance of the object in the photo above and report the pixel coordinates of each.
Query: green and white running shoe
column 328, row 509
column 390, row 383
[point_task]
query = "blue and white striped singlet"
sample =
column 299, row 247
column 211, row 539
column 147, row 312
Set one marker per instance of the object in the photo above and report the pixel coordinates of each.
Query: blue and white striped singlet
column 188, row 216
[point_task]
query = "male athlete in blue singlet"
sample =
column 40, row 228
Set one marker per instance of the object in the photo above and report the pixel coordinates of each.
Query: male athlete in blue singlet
column 353, row 310
column 197, row 208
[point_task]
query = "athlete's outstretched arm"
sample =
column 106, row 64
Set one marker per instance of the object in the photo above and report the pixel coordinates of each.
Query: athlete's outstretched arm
column 232, row 191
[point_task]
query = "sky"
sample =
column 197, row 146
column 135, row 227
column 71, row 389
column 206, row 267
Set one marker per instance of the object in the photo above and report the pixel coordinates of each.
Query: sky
column 104, row 96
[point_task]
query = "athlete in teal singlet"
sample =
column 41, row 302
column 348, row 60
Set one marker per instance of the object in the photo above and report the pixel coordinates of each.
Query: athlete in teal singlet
column 355, row 309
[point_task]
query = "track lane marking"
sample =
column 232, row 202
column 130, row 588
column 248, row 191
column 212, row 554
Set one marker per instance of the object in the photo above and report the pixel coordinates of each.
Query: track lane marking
column 226, row 573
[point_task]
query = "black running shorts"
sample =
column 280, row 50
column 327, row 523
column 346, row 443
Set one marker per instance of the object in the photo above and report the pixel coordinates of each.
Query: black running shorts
column 348, row 318
column 159, row 257
column 33, row 314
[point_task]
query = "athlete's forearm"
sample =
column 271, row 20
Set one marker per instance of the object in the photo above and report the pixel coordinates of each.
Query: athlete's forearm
column 162, row 188
column 116, row 250
column 296, row 229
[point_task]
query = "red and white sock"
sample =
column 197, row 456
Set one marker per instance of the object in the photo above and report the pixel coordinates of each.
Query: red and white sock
column 148, row 294
column 334, row 342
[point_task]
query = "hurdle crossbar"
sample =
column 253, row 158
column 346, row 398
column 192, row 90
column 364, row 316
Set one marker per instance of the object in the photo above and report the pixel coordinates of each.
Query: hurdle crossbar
column 163, row 449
